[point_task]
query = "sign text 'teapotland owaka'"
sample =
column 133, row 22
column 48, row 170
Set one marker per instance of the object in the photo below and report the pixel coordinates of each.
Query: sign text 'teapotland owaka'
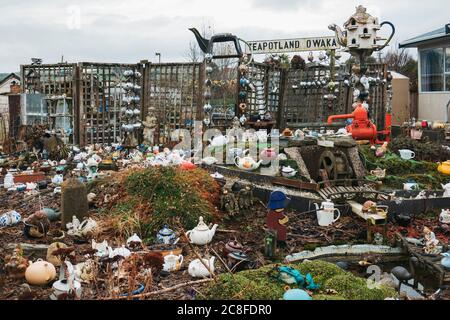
column 293, row 45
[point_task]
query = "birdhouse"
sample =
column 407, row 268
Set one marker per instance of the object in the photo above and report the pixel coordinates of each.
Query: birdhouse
column 362, row 30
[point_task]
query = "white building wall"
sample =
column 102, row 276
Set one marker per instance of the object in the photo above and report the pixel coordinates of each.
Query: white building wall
column 433, row 105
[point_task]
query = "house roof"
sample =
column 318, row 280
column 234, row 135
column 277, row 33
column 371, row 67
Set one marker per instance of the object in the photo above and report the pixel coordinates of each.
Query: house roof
column 441, row 33
column 6, row 76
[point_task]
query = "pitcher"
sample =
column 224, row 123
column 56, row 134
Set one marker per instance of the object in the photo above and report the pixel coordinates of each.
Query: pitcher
column 326, row 217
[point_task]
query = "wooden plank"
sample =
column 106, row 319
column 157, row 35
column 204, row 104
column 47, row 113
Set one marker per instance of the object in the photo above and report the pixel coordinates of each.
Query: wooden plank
column 295, row 184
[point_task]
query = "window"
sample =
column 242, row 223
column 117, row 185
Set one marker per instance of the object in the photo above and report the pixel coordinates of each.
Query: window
column 432, row 67
column 447, row 69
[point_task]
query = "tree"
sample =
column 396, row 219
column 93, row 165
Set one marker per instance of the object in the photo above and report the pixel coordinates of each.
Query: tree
column 399, row 60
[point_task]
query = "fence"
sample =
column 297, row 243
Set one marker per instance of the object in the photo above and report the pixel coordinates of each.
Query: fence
column 173, row 94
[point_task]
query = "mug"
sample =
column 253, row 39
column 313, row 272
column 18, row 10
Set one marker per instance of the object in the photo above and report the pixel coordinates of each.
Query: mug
column 173, row 263
column 326, row 217
column 407, row 154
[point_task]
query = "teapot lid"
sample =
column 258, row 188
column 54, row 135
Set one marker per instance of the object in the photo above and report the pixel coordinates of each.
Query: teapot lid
column 201, row 225
column 166, row 231
column 288, row 169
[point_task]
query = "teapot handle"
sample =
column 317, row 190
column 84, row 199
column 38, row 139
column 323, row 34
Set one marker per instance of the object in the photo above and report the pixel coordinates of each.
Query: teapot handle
column 339, row 215
column 390, row 37
column 236, row 161
column 188, row 235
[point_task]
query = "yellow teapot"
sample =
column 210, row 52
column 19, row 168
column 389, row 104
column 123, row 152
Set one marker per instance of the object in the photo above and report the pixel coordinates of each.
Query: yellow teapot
column 444, row 167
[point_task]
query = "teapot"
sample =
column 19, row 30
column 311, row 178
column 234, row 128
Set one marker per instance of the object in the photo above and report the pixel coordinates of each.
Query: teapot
column 288, row 172
column 166, row 236
column 247, row 163
column 327, row 205
column 198, row 270
column 446, row 261
column 209, row 161
column 219, row 141
column 201, row 234
column 172, row 262
column 40, row 273
column 64, row 285
column 268, row 155
column 233, row 246
column 379, row 173
column 410, row 186
column 58, row 179
column 445, row 216
column 446, row 190
column 444, row 168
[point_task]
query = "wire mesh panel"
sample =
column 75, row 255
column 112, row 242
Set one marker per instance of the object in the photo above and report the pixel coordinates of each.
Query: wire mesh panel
column 173, row 94
column 266, row 97
column 310, row 96
column 101, row 95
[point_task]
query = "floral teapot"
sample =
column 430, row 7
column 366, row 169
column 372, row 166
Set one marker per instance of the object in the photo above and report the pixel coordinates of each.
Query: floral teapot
column 201, row 234
column 247, row 163
column 166, row 236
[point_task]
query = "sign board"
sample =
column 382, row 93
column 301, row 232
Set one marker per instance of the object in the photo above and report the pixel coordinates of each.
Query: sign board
column 294, row 45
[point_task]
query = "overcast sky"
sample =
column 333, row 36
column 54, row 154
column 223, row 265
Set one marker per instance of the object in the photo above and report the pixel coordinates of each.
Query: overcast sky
column 132, row 30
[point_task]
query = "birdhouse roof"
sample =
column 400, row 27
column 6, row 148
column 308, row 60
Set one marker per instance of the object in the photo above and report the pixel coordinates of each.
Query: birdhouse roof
column 361, row 17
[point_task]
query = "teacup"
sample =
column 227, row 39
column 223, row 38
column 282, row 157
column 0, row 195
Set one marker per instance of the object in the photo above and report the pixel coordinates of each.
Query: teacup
column 407, row 154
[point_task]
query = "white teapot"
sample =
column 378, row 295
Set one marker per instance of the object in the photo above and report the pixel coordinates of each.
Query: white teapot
column 209, row 161
column 201, row 234
column 288, row 172
column 172, row 262
column 219, row 141
column 445, row 216
column 446, row 190
column 247, row 163
column 198, row 270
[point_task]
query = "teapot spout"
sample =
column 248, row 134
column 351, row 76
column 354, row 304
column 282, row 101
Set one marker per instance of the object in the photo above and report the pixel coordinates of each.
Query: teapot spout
column 213, row 231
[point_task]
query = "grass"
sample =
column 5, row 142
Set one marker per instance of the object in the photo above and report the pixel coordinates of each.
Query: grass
column 159, row 196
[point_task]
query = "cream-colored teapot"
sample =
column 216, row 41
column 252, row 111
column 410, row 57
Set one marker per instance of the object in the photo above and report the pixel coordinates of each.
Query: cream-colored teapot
column 247, row 163
column 201, row 234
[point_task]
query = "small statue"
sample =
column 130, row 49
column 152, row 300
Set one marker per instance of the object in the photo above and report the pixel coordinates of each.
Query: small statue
column 245, row 197
column 276, row 219
column 229, row 203
column 381, row 151
column 16, row 264
column 431, row 242
column 150, row 125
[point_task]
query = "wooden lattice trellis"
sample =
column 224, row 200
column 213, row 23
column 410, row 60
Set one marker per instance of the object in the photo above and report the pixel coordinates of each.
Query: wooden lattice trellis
column 101, row 99
column 173, row 94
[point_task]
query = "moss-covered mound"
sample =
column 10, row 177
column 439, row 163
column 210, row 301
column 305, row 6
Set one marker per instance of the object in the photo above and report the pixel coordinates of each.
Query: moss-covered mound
column 398, row 171
column 258, row 285
column 157, row 196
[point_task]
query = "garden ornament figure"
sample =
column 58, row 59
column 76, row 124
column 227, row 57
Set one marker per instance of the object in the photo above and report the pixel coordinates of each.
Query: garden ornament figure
column 431, row 243
column 276, row 219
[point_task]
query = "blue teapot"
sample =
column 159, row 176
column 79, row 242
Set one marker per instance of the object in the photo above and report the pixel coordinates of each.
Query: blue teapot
column 166, row 236
column 446, row 261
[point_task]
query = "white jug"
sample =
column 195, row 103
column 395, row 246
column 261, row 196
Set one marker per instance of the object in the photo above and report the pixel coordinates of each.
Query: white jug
column 326, row 217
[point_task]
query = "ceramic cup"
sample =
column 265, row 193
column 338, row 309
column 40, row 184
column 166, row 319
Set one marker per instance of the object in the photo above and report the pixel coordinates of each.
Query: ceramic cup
column 407, row 154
